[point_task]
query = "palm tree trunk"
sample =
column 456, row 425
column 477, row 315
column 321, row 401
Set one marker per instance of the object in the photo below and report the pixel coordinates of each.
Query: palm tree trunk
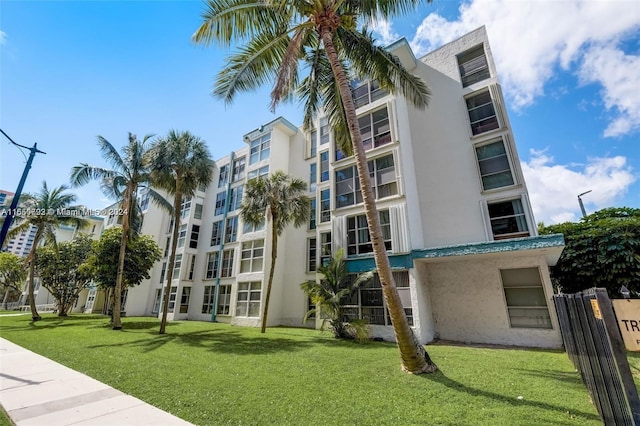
column 274, row 255
column 177, row 202
column 126, row 229
column 32, row 273
column 414, row 357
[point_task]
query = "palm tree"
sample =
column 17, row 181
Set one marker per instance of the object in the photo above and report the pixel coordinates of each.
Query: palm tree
column 45, row 210
column 279, row 34
column 333, row 289
column 129, row 172
column 180, row 164
column 280, row 199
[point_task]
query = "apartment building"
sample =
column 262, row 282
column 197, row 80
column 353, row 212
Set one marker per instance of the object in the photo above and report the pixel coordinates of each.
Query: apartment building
column 452, row 200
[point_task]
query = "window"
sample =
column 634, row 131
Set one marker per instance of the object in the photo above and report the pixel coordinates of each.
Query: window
column 238, row 169
column 312, row 214
column 216, row 233
column 211, row 270
column 221, row 202
column 324, row 166
column 248, row 304
column 224, row 300
column 223, row 178
column 202, row 187
column 248, row 228
column 195, row 232
column 184, row 300
column 383, row 177
column 368, row 302
column 176, row 266
column 310, row 306
column 358, row 238
column 494, row 165
column 375, row 129
column 312, row 254
column 185, row 208
column 182, row 235
column 252, row 256
column 508, row 219
column 325, row 206
column 235, row 199
column 156, row 301
column 207, row 301
column 163, row 272
column 172, row 298
column 367, row 92
column 325, row 130
column 231, row 230
column 262, row 171
column 482, row 113
column 526, row 302
column 197, row 214
column 192, row 267
column 167, row 246
column 313, row 143
column 227, row 264
column 325, row 247
column 144, row 202
column 473, row 66
column 259, row 149
column 313, row 176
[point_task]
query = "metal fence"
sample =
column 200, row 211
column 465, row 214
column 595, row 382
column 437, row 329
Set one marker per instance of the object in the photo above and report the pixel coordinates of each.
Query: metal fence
column 594, row 345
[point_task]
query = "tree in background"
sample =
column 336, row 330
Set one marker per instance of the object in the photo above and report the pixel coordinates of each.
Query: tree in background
column 62, row 272
column 142, row 253
column 277, row 37
column 181, row 163
column 13, row 273
column 601, row 250
column 129, row 172
column 46, row 211
column 280, row 199
column 330, row 293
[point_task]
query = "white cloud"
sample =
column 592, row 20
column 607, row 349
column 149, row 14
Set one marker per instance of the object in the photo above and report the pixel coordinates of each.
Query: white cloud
column 531, row 40
column 3, row 37
column 553, row 188
column 384, row 29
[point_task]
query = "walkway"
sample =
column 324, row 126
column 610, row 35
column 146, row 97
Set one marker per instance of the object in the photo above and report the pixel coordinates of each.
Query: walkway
column 37, row 391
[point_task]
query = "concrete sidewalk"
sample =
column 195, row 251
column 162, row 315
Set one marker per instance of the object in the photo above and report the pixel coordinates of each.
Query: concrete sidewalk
column 37, row 391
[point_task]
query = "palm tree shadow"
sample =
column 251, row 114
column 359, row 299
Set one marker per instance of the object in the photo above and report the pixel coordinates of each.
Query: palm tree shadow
column 441, row 378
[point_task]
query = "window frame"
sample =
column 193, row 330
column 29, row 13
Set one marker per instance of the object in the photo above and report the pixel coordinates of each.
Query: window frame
column 528, row 287
column 478, row 66
column 260, row 148
column 485, row 178
column 493, row 122
column 212, row 265
column 251, row 293
column 254, row 250
column 519, row 218
column 359, row 238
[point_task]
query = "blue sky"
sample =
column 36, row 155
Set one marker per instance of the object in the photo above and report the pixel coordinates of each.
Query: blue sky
column 70, row 71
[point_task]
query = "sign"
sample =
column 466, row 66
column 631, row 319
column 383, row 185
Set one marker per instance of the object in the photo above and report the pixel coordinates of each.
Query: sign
column 596, row 309
column 628, row 314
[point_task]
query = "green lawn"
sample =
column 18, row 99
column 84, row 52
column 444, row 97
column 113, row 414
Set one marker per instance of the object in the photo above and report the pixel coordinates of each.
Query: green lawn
column 209, row 373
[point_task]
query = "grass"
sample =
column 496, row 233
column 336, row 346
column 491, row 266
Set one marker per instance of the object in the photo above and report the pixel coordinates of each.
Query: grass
column 209, row 373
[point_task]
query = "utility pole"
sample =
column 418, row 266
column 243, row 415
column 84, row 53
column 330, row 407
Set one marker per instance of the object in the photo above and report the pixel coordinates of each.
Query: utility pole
column 8, row 218
column 584, row 213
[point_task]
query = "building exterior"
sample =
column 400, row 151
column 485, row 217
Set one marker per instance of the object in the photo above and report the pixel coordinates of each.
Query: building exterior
column 458, row 224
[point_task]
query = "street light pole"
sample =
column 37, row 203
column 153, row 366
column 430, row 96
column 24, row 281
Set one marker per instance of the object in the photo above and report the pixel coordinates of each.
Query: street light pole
column 584, row 213
column 14, row 203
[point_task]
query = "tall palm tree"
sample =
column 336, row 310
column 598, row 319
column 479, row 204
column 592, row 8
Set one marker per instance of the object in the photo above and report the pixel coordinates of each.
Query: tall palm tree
column 45, row 210
column 278, row 36
column 181, row 162
column 129, row 172
column 280, row 199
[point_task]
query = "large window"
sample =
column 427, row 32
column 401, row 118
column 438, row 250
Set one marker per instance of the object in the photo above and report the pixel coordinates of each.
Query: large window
column 235, row 199
column 156, row 301
column 325, row 206
column 207, row 301
column 325, row 130
column 163, row 272
column 185, row 207
column 368, row 302
column 184, row 300
column 192, row 267
column 221, row 202
column 248, row 304
column 482, row 114
column 227, row 264
column 383, row 177
column 216, row 233
column 313, row 176
column 325, row 247
column 223, row 177
column 313, row 211
column 367, row 92
column 211, row 270
column 197, row 214
column 255, row 173
column 252, row 256
column 195, row 233
column 473, row 66
column 176, row 267
column 259, row 149
column 238, row 169
column 358, row 238
column 172, row 298
column 313, row 143
column 526, row 302
column 494, row 165
column 248, row 228
column 375, row 129
column 312, row 254
column 182, row 235
column 231, row 230
column 324, row 166
column 224, row 300
column 508, row 219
